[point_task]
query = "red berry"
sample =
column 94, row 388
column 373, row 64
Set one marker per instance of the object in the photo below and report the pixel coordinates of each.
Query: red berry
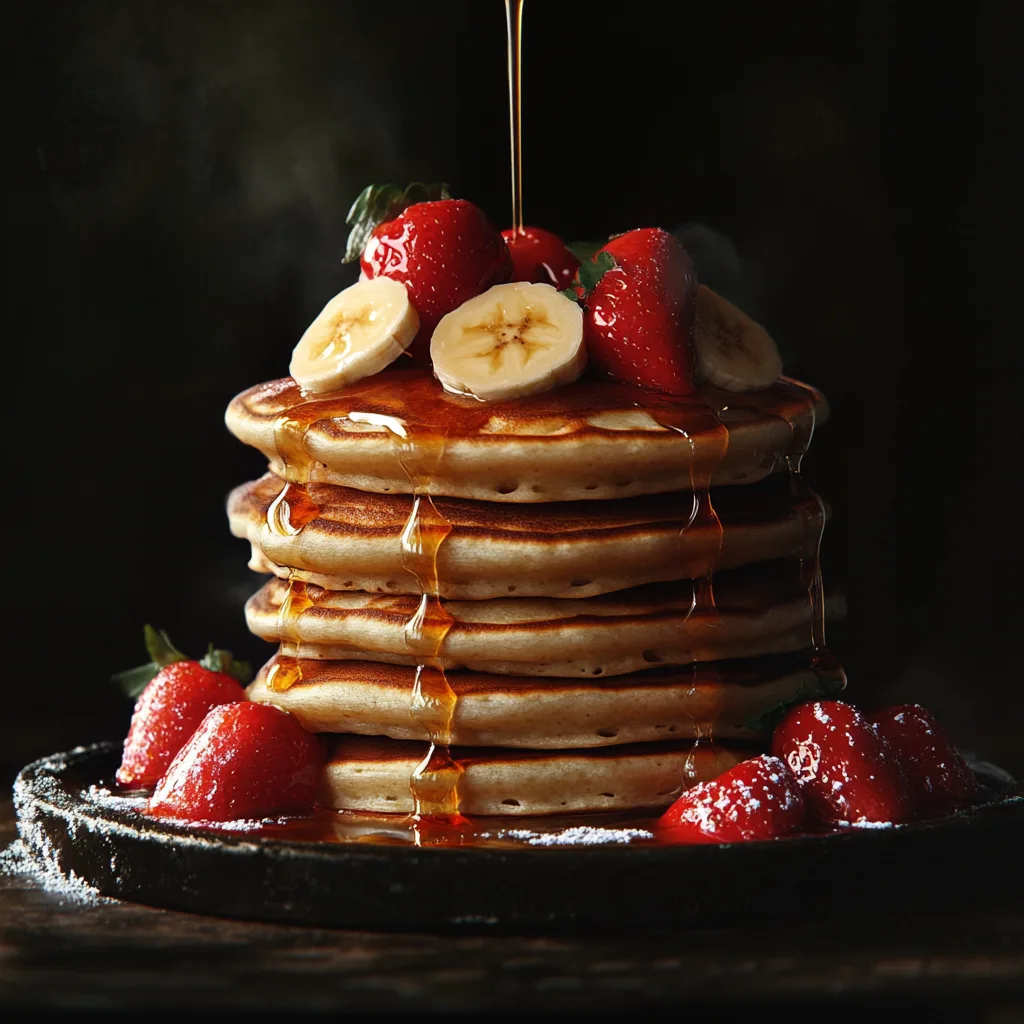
column 937, row 775
column 539, row 257
column 167, row 712
column 847, row 771
column 444, row 252
column 758, row 799
column 245, row 760
column 638, row 326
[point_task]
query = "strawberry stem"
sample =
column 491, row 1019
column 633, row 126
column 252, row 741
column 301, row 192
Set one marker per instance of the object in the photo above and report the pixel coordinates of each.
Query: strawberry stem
column 588, row 277
column 379, row 203
column 162, row 652
column 585, row 250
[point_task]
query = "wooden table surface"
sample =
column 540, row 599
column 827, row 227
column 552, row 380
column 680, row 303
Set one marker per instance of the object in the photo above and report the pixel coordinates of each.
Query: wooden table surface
column 101, row 955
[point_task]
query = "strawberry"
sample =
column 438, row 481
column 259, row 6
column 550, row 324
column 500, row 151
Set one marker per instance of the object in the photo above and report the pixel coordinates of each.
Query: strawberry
column 848, row 773
column 757, row 799
column 937, row 775
column 539, row 257
column 638, row 294
column 443, row 250
column 245, row 761
column 172, row 703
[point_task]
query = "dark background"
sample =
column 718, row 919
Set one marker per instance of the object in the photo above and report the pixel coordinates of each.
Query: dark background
column 178, row 178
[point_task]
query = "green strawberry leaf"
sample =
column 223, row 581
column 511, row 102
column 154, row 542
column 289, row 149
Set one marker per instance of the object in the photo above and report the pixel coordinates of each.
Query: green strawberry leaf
column 162, row 652
column 378, row 203
column 217, row 660
column 765, row 723
column 584, row 250
column 826, row 687
column 133, row 681
column 587, row 277
column 591, row 271
column 159, row 647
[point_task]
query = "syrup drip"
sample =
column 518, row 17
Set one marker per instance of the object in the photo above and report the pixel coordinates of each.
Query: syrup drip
column 811, row 509
column 684, row 419
column 289, row 512
column 435, row 782
column 514, row 24
column 287, row 669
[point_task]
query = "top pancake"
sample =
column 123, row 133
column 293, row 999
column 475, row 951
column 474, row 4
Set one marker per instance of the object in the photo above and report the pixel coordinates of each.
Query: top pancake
column 400, row 432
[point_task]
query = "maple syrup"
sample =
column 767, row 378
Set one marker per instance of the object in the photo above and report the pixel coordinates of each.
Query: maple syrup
column 811, row 509
column 289, row 512
column 514, row 26
column 420, row 448
column 686, row 417
column 435, row 782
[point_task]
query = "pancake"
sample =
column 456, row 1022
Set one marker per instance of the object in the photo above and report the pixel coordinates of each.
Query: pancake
column 726, row 700
column 560, row 549
column 761, row 609
column 400, row 432
column 372, row 774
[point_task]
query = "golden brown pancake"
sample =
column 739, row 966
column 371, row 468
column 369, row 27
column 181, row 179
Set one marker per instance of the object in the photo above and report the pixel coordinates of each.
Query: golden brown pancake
column 724, row 700
column 400, row 432
column 372, row 774
column 762, row 609
column 558, row 549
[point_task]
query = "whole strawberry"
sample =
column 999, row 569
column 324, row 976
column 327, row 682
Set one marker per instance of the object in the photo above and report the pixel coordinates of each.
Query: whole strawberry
column 939, row 780
column 443, row 250
column 638, row 319
column 847, row 771
column 540, row 257
column 179, row 693
column 757, row 799
column 245, row 761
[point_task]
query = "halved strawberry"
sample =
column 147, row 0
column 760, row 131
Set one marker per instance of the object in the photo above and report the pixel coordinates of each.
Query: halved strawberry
column 847, row 771
column 245, row 761
column 638, row 298
column 757, row 799
column 540, row 257
column 938, row 777
column 443, row 250
column 179, row 692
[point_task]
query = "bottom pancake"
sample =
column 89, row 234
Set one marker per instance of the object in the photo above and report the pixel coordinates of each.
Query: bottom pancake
column 730, row 699
column 373, row 774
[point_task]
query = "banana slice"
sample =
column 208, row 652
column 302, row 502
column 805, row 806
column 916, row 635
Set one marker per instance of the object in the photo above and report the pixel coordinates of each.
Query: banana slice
column 513, row 340
column 359, row 332
column 733, row 352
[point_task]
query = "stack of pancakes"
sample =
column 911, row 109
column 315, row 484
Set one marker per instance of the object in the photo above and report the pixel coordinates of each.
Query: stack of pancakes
column 584, row 600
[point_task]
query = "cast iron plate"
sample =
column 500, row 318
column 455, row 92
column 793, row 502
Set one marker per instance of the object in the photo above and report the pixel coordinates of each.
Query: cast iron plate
column 964, row 859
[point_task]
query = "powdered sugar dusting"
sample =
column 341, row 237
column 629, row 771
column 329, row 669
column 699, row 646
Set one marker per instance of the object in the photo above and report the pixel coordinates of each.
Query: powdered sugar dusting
column 578, row 835
column 33, row 854
column 17, row 859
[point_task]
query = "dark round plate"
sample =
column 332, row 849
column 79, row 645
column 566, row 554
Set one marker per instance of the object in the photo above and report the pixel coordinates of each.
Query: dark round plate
column 963, row 859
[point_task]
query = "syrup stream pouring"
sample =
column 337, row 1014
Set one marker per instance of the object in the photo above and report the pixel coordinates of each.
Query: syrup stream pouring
column 514, row 24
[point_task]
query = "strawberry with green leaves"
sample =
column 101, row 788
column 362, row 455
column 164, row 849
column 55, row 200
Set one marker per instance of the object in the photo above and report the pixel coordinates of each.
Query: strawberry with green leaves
column 443, row 250
column 638, row 296
column 174, row 694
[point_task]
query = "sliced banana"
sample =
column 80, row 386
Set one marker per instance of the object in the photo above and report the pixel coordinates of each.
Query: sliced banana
column 359, row 332
column 733, row 352
column 513, row 340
